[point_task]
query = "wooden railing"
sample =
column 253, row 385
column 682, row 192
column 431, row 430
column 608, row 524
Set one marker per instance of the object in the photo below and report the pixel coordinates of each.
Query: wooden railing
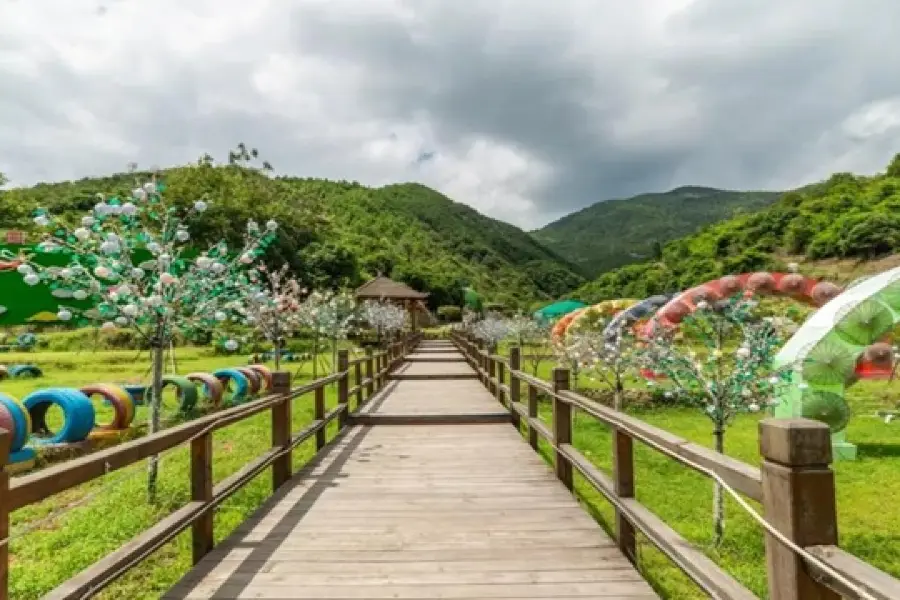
column 367, row 374
column 795, row 485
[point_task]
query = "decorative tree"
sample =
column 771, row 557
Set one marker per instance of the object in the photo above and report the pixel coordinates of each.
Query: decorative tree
column 330, row 316
column 732, row 373
column 609, row 358
column 274, row 308
column 530, row 333
column 490, row 330
column 386, row 318
column 167, row 292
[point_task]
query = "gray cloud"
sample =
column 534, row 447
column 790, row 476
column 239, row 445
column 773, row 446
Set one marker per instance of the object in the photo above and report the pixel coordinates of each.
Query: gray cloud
column 527, row 109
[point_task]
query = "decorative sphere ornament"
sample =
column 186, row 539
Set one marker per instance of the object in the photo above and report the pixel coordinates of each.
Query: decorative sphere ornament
column 102, row 272
column 246, row 259
column 88, row 221
column 107, row 325
column 24, row 269
column 231, row 345
column 137, row 273
column 121, row 321
column 66, row 273
column 200, row 206
column 204, row 262
column 79, row 294
column 220, row 316
column 182, row 235
column 154, row 248
column 64, row 315
column 149, row 187
column 41, row 221
column 218, row 267
column 81, row 234
column 743, row 352
column 167, row 279
column 129, row 209
column 31, row 279
column 129, row 310
column 108, row 247
column 272, row 225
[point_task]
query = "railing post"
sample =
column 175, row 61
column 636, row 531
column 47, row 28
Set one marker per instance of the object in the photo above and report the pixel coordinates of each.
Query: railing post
column 515, row 386
column 370, row 368
column 501, row 375
column 343, row 387
column 623, row 473
column 799, row 501
column 562, row 427
column 491, row 374
column 281, row 428
column 319, row 408
column 532, row 414
column 5, row 441
column 202, row 537
column 357, row 374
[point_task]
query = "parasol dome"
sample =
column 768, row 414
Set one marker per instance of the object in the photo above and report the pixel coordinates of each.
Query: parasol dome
column 558, row 309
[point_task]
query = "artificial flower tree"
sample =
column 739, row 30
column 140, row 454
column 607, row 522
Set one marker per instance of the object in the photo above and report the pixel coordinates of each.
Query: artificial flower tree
column 274, row 306
column 723, row 364
column 172, row 289
column 606, row 356
column 329, row 316
column 386, row 318
column 491, row 331
column 527, row 332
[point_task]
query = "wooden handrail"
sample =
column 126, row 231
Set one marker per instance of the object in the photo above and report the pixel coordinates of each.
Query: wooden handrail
column 801, row 479
column 196, row 514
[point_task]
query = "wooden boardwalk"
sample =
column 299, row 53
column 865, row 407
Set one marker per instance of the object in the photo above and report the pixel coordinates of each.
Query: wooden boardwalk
column 421, row 510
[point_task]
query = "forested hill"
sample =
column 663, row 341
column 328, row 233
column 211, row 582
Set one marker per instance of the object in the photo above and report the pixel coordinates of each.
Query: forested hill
column 336, row 234
column 613, row 233
column 848, row 216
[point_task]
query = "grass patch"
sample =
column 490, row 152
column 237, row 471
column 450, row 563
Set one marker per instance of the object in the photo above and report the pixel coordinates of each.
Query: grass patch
column 111, row 510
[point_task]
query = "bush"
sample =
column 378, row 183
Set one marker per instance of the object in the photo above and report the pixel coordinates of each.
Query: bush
column 449, row 314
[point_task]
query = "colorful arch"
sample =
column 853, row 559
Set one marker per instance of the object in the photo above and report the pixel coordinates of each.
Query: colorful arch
column 607, row 308
column 803, row 289
column 837, row 346
column 633, row 313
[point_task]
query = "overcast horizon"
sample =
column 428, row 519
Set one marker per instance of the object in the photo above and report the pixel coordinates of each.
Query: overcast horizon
column 525, row 110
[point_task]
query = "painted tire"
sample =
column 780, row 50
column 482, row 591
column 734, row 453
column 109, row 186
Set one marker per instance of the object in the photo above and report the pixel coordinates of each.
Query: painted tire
column 253, row 378
column 24, row 371
column 265, row 373
column 14, row 418
column 212, row 387
column 241, row 385
column 187, row 392
column 121, row 401
column 137, row 392
column 77, row 409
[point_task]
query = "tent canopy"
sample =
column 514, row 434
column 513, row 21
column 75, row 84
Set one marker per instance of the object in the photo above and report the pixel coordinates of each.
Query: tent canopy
column 558, row 309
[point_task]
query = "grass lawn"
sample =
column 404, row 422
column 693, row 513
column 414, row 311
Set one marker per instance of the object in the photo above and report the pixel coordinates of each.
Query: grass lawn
column 115, row 507
column 868, row 518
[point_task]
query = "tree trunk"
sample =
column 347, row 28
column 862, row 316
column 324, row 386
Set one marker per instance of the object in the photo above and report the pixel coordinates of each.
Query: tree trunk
column 278, row 344
column 618, row 393
column 157, row 353
column 718, row 497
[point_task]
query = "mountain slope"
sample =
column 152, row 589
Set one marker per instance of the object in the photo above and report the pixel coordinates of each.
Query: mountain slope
column 613, row 233
column 847, row 217
column 339, row 233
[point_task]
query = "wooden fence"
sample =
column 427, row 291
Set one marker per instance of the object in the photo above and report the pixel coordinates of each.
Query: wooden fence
column 368, row 374
column 795, row 485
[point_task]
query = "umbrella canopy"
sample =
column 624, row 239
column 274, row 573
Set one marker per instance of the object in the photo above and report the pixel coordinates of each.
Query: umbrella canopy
column 558, row 309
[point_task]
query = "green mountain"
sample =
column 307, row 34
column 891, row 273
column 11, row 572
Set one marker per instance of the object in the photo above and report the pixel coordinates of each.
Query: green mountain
column 613, row 233
column 337, row 234
column 846, row 217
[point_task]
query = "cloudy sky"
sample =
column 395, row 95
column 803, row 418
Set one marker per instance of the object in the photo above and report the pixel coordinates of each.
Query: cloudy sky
column 524, row 109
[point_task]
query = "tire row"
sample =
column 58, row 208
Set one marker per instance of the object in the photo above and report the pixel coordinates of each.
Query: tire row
column 222, row 388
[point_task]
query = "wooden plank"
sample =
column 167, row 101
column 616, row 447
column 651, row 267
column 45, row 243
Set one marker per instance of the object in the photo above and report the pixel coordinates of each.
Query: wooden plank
column 401, row 419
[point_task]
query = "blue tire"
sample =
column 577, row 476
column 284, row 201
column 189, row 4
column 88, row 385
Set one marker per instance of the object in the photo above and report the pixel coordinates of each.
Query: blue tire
column 77, row 409
column 23, row 455
column 241, row 386
column 24, row 371
column 21, row 422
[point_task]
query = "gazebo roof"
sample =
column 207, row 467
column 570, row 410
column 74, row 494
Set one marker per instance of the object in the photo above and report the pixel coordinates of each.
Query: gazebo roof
column 384, row 287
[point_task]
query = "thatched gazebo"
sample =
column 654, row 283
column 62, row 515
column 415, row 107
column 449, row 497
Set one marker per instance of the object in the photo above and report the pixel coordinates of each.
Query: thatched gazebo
column 385, row 288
